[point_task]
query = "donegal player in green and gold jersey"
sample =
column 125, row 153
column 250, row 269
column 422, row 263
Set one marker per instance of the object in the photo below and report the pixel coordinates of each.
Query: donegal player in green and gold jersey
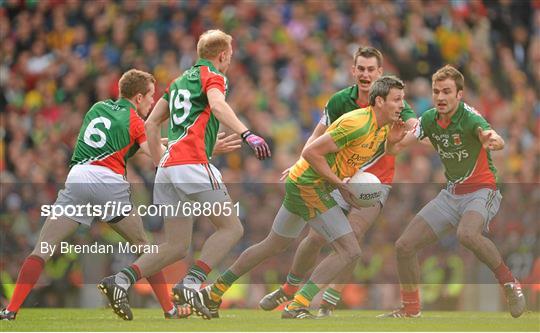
column 325, row 164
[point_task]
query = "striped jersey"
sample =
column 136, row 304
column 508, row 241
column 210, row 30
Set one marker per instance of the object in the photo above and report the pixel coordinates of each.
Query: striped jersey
column 192, row 126
column 468, row 166
column 358, row 137
column 111, row 132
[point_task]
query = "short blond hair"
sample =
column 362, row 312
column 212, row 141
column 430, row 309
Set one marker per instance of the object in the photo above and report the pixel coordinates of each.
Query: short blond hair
column 212, row 43
column 134, row 82
column 450, row 72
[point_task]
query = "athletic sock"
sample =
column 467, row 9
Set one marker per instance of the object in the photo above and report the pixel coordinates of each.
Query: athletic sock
column 331, row 298
column 411, row 301
column 503, row 274
column 128, row 276
column 28, row 276
column 161, row 290
column 303, row 298
column 196, row 275
column 292, row 285
column 222, row 284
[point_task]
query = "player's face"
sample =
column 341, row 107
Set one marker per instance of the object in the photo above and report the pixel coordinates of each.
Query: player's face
column 146, row 101
column 393, row 105
column 225, row 60
column 445, row 96
column 365, row 71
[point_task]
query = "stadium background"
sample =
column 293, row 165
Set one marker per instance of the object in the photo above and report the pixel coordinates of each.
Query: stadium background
column 59, row 57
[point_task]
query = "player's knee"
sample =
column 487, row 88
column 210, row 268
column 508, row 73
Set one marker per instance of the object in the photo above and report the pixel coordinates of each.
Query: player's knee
column 315, row 241
column 404, row 248
column 238, row 230
column 466, row 238
column 351, row 255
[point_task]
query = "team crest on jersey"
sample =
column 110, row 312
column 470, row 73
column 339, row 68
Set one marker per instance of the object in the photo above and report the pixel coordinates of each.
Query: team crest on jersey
column 457, row 139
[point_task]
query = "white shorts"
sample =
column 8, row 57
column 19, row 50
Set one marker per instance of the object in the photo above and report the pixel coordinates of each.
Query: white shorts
column 446, row 210
column 385, row 191
column 95, row 185
column 188, row 183
column 332, row 224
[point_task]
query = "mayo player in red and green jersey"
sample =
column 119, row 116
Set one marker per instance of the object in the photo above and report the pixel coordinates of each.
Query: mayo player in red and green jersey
column 194, row 105
column 112, row 131
column 367, row 67
column 463, row 139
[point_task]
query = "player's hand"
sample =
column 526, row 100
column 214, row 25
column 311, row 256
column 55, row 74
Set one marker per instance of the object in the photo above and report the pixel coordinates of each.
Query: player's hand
column 397, row 132
column 259, row 146
column 164, row 141
column 285, row 173
column 487, row 139
column 347, row 193
column 226, row 144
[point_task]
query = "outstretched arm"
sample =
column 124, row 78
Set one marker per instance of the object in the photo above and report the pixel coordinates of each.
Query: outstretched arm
column 225, row 114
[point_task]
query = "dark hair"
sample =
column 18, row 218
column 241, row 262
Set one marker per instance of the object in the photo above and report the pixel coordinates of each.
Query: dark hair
column 381, row 87
column 369, row 52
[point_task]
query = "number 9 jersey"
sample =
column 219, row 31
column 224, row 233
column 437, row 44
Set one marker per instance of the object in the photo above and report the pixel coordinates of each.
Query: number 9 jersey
column 111, row 132
column 192, row 126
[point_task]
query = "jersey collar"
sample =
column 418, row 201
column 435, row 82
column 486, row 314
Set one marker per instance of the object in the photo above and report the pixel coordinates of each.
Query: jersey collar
column 354, row 96
column 126, row 102
column 205, row 62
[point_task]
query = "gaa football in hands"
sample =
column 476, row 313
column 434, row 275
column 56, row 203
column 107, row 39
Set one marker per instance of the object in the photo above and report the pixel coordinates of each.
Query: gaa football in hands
column 367, row 188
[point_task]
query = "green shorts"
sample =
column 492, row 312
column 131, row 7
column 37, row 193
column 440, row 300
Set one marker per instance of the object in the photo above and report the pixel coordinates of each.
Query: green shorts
column 307, row 201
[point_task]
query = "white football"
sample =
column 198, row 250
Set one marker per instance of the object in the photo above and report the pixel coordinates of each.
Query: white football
column 366, row 187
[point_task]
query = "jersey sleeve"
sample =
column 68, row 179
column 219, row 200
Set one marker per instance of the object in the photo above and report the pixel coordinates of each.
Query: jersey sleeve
column 419, row 129
column 348, row 130
column 331, row 110
column 215, row 81
column 407, row 112
column 479, row 121
column 167, row 93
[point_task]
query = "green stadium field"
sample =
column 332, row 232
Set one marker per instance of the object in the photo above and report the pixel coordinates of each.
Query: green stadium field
column 257, row 320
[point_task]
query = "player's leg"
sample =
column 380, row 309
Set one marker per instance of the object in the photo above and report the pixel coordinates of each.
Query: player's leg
column 228, row 231
column 335, row 227
column 286, row 227
column 427, row 226
column 361, row 220
column 131, row 229
column 50, row 237
column 304, row 260
column 478, row 209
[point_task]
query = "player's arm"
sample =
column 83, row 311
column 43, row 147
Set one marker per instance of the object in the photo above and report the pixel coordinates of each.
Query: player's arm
column 159, row 114
column 314, row 154
column 490, row 139
column 225, row 114
column 317, row 132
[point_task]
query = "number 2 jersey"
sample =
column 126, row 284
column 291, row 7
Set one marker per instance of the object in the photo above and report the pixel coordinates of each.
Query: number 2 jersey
column 192, row 126
column 467, row 165
column 111, row 132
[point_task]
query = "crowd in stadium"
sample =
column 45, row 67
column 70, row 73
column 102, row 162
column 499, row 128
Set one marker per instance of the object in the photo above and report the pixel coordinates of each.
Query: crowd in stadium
column 59, row 57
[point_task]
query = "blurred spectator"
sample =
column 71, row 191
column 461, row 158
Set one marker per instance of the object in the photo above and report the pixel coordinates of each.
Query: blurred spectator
column 59, row 57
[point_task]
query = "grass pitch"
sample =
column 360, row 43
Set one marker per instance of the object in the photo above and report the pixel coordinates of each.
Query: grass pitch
column 258, row 320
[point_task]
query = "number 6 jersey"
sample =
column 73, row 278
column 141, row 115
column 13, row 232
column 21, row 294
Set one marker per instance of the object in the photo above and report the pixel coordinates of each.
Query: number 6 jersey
column 192, row 126
column 111, row 132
